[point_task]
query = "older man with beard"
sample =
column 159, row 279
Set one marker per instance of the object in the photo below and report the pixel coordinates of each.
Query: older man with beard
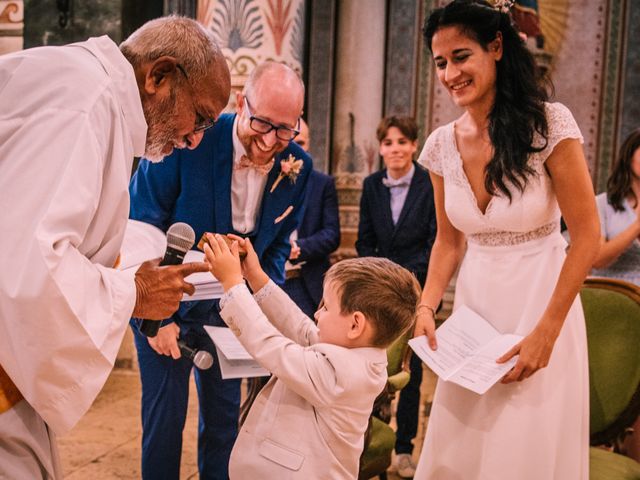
column 246, row 177
column 72, row 120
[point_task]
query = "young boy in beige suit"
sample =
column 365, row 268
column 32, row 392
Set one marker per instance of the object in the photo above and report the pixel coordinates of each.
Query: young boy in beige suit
column 309, row 420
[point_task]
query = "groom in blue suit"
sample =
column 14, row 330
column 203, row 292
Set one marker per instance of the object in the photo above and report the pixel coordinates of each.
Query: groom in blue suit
column 240, row 179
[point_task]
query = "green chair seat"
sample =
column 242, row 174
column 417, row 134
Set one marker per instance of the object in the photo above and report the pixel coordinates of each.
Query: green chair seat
column 613, row 333
column 396, row 353
column 605, row 465
column 612, row 316
column 377, row 456
column 399, row 380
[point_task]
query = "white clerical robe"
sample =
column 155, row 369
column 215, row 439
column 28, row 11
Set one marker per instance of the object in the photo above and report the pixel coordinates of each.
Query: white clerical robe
column 71, row 122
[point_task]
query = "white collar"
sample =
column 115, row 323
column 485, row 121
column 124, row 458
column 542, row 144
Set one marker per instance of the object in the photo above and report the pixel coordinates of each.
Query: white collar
column 405, row 178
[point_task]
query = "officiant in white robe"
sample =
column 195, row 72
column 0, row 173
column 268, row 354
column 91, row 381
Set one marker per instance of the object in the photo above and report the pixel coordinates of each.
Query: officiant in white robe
column 72, row 120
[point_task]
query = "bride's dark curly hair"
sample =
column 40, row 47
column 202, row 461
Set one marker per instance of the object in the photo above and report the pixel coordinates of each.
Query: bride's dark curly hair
column 518, row 110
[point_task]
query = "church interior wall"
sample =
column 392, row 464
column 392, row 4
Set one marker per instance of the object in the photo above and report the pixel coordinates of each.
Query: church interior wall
column 362, row 60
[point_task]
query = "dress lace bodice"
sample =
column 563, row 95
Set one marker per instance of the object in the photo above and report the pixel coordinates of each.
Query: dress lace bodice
column 531, row 214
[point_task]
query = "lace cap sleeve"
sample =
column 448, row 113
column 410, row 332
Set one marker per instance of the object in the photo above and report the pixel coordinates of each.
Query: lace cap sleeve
column 562, row 125
column 433, row 152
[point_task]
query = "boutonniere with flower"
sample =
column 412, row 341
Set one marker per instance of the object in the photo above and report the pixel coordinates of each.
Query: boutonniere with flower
column 289, row 168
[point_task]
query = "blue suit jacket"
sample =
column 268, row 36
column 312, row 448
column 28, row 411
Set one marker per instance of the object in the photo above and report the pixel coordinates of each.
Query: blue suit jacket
column 319, row 232
column 407, row 243
column 194, row 186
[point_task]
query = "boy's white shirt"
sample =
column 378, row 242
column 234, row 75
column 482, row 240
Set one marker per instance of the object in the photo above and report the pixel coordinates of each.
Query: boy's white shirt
column 309, row 420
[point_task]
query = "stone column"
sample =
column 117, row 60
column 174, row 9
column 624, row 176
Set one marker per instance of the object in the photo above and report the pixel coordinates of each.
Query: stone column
column 403, row 46
column 320, row 72
column 59, row 23
column 181, row 7
column 358, row 106
column 136, row 13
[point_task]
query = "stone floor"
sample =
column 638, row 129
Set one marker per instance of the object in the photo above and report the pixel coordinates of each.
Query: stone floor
column 106, row 442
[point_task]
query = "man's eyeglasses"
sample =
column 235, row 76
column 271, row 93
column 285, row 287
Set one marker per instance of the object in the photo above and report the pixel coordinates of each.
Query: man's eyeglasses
column 260, row 125
column 202, row 123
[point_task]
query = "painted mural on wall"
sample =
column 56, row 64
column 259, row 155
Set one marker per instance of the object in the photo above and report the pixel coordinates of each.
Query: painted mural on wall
column 11, row 25
column 544, row 21
column 571, row 40
column 252, row 31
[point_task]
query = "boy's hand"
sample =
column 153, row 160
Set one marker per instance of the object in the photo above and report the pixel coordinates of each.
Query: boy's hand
column 224, row 262
column 251, row 268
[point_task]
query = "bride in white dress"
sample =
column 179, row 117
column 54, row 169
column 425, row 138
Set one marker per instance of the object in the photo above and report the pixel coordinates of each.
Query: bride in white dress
column 502, row 174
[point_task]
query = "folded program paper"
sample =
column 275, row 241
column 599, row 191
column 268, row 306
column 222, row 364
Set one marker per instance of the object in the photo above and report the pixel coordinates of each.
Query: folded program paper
column 468, row 347
column 233, row 359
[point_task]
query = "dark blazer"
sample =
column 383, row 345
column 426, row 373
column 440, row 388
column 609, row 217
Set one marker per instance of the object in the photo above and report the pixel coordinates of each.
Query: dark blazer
column 319, row 232
column 194, row 186
column 409, row 242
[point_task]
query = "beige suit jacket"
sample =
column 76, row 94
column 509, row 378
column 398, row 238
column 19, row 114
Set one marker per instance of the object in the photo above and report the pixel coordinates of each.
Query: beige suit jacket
column 309, row 421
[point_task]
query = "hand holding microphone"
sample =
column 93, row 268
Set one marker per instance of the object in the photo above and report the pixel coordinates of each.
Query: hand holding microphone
column 159, row 290
column 167, row 343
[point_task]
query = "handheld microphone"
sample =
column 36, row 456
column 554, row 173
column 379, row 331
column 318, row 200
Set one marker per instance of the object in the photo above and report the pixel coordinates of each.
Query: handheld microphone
column 180, row 239
column 200, row 358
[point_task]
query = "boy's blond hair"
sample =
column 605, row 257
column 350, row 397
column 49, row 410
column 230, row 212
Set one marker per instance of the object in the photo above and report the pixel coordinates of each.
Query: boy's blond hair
column 382, row 290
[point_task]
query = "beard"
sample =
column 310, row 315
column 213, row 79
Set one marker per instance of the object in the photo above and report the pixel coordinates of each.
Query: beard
column 161, row 117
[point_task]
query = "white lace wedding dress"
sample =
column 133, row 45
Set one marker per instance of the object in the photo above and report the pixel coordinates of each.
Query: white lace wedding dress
column 537, row 429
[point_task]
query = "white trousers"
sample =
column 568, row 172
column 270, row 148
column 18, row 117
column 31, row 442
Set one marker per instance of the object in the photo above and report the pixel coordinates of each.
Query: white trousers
column 28, row 447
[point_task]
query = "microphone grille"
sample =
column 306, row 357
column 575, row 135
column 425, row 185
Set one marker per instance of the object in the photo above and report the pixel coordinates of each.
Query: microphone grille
column 203, row 360
column 181, row 237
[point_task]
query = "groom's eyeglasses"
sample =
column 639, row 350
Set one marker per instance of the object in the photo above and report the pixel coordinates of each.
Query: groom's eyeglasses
column 260, row 125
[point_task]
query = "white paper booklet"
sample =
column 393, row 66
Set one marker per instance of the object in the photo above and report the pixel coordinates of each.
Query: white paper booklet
column 234, row 360
column 142, row 241
column 468, row 347
column 207, row 286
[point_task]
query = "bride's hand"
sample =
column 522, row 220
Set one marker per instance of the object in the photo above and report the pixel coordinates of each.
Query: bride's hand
column 534, row 352
column 426, row 325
